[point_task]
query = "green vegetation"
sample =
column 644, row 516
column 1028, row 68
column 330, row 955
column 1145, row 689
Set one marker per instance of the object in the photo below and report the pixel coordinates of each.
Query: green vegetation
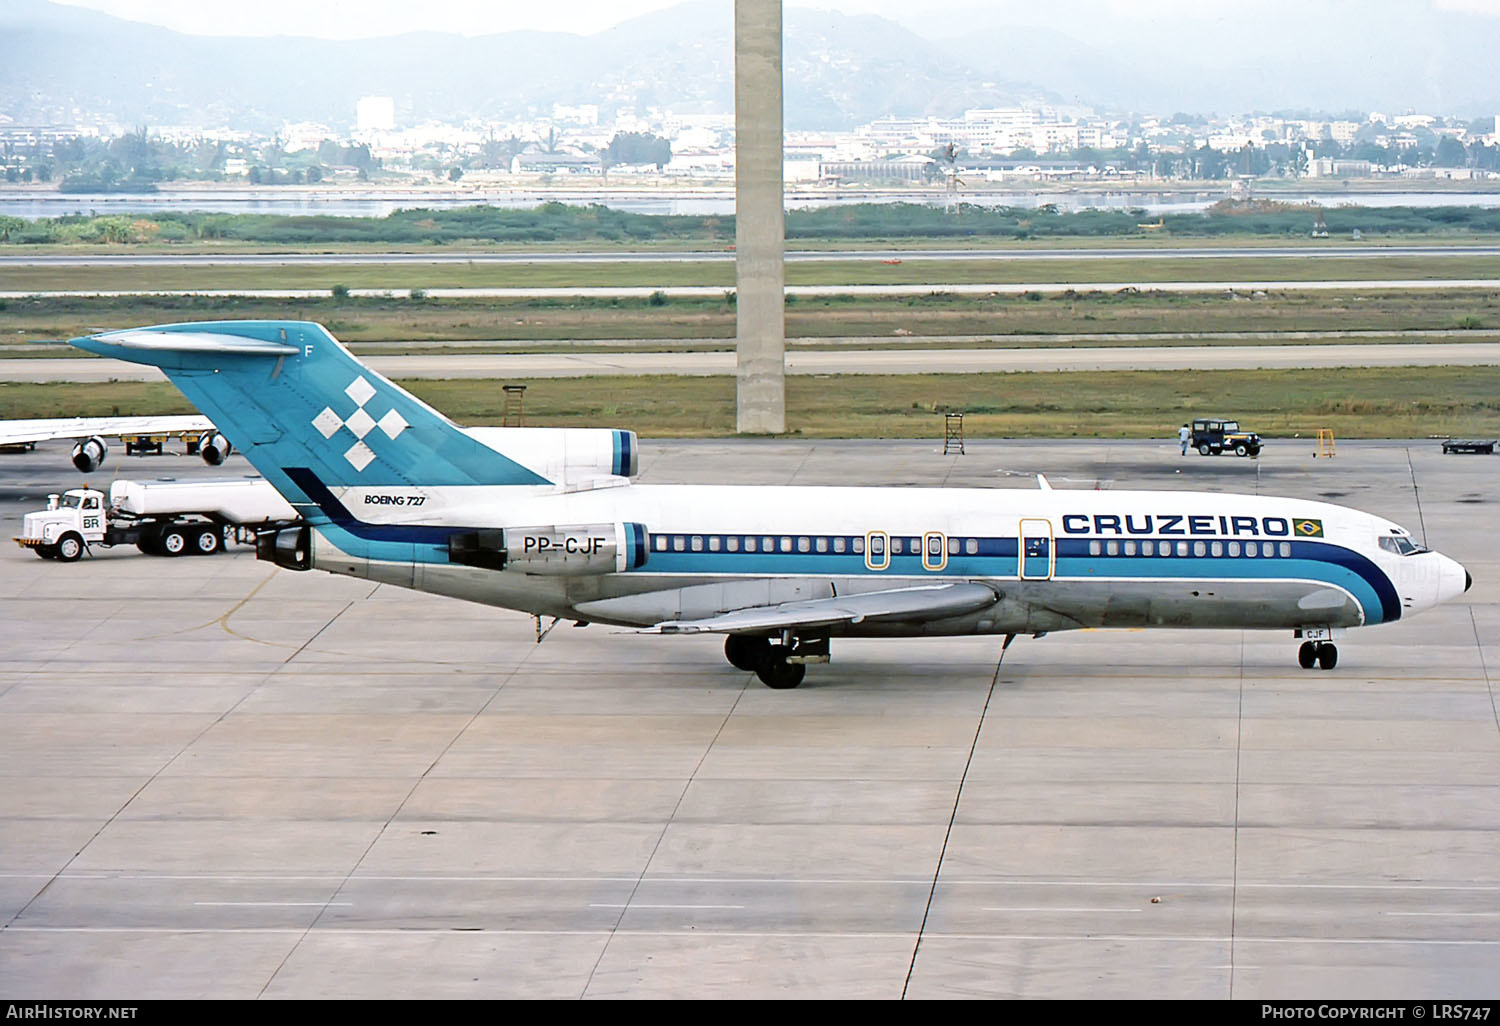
column 376, row 319
column 721, row 274
column 1353, row 402
column 598, row 224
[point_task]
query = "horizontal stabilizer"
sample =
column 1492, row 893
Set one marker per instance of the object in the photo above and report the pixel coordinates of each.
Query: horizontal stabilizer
column 917, row 604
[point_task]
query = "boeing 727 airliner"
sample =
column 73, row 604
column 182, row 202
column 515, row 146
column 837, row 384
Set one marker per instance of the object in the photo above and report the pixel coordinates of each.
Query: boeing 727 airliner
column 549, row 522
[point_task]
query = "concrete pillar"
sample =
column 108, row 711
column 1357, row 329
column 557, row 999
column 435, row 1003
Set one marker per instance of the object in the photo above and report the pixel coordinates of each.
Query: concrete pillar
column 760, row 391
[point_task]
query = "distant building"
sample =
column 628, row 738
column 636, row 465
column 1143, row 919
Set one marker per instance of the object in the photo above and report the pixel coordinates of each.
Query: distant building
column 375, row 114
column 1328, row 167
column 906, row 169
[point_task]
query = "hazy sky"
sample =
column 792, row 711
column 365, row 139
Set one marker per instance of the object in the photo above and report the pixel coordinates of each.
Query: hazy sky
column 348, row 19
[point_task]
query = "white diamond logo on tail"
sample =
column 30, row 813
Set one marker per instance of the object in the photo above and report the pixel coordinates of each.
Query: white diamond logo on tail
column 393, row 424
column 360, row 390
column 327, row 423
column 360, row 422
column 359, row 455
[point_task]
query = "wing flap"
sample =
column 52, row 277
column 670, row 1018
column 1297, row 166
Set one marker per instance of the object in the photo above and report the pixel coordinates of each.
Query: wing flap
column 917, row 604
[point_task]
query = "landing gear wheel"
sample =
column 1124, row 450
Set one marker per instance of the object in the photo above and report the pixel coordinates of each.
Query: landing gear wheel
column 1328, row 655
column 1204, row 450
column 207, row 541
column 746, row 652
column 775, row 672
column 1241, row 450
column 173, row 542
column 1307, row 655
column 69, row 547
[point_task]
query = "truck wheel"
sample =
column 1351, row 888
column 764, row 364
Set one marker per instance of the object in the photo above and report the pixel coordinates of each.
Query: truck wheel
column 207, row 541
column 1204, row 450
column 69, row 547
column 1241, row 450
column 173, row 541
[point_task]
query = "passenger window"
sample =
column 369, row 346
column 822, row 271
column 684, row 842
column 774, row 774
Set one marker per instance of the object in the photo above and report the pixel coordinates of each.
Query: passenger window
column 697, row 543
column 934, row 545
column 1182, row 548
column 1285, row 548
column 1112, row 548
column 838, row 544
column 877, row 545
column 786, row 544
column 1250, row 550
column 1148, row 548
column 713, row 543
column 804, row 545
column 749, row 543
column 822, row 544
column 678, row 543
column 1267, row 549
column 1234, row 548
column 1216, row 548
column 953, row 546
column 732, row 543
column 768, row 545
column 1199, row 549
column 971, row 546
column 1130, row 548
column 859, row 547
column 895, row 546
column 1093, row 548
column 661, row 543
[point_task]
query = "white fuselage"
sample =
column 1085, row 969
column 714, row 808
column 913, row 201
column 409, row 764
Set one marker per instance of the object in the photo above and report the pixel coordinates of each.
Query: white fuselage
column 1056, row 559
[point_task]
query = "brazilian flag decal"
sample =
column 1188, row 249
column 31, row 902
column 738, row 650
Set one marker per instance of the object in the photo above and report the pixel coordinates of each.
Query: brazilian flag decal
column 1307, row 528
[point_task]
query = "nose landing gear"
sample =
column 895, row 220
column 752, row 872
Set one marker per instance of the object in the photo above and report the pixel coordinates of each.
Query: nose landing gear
column 1324, row 653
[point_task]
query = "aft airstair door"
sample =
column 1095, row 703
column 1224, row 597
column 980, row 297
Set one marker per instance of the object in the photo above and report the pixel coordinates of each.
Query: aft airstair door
column 1037, row 556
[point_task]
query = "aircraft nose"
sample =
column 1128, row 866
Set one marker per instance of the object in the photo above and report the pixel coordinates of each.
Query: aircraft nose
column 1468, row 580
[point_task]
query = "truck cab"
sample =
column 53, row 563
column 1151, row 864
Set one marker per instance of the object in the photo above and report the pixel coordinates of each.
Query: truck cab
column 71, row 520
column 1213, row 436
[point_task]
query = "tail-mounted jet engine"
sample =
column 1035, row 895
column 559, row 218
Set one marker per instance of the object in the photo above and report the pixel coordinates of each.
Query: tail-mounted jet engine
column 554, row 551
column 289, row 547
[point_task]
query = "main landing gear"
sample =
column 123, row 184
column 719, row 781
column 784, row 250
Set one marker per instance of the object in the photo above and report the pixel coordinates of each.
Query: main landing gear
column 1324, row 653
column 778, row 666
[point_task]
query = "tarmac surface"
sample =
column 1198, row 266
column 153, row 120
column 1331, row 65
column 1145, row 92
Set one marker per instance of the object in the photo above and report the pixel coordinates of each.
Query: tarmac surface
column 594, row 361
column 228, row 780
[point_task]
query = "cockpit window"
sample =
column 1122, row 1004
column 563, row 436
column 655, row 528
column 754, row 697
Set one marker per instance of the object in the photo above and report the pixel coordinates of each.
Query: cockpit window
column 1401, row 546
column 72, row 501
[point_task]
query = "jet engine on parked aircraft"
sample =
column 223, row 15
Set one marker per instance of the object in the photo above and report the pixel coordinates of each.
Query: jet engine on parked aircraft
column 554, row 551
column 566, row 455
column 214, row 447
column 89, row 454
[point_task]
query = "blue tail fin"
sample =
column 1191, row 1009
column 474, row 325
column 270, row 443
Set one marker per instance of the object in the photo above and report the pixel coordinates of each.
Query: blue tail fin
column 288, row 395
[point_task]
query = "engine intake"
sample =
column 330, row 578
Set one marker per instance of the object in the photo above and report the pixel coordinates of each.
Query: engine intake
column 214, row 448
column 555, row 551
column 89, row 454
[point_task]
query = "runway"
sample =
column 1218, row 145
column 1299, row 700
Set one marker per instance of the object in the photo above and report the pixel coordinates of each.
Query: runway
column 594, row 361
column 1011, row 253
column 227, row 780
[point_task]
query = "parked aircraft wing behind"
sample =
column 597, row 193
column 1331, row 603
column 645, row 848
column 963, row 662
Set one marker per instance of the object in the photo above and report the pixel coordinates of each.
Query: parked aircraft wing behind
column 916, row 604
column 21, row 432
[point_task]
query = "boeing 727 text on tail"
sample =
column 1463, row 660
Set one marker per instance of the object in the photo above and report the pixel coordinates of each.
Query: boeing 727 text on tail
column 550, row 522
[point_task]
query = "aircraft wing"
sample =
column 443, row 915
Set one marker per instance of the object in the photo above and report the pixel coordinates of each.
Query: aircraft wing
column 916, row 604
column 21, row 432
